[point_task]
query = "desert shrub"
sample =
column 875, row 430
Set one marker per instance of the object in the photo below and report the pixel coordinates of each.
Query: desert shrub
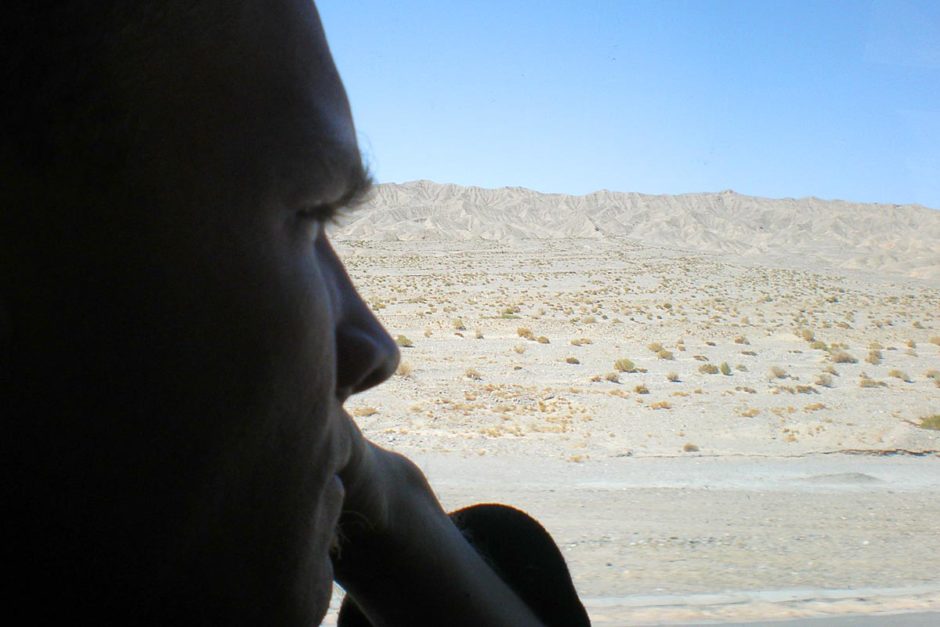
column 664, row 354
column 403, row 341
column 710, row 343
column 750, row 412
column 898, row 374
column 580, row 341
column 362, row 412
column 688, row 447
column 807, row 334
column 525, row 333
column 741, row 340
column 519, row 348
column 459, row 325
column 749, row 353
column 699, row 357
column 776, row 372
column 660, row 405
column 830, row 369
column 875, row 346
column 404, row 369
column 478, row 334
column 472, row 373
column 428, row 332
column 910, row 344
column 708, row 369
column 930, row 422
column 817, row 345
column 725, row 368
column 935, row 339
column 741, row 368
column 824, row 380
column 842, row 357
column 865, row 381
column 874, row 357
column 806, row 389
column 655, row 347
column 588, row 319
column 572, row 360
column 613, row 377
column 933, row 374
column 624, row 365
column 641, row 389
column 814, row 407
column 542, row 340
column 673, row 377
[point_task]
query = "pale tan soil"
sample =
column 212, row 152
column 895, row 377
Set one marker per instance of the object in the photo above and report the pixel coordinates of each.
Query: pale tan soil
column 768, row 517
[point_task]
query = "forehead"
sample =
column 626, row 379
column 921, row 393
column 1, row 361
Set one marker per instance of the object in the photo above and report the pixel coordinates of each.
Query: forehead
column 252, row 84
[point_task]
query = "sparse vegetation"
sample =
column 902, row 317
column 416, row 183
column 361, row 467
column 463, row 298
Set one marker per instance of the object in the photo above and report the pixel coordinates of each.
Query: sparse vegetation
column 542, row 340
column 404, row 369
column 624, row 365
column 842, row 357
column 459, row 325
column 930, row 422
column 613, row 377
column 874, row 357
column 673, row 377
column 525, row 333
column 725, row 369
column 776, row 372
column 898, row 374
column 660, row 405
column 472, row 373
column 741, row 340
column 641, row 389
column 824, row 380
column 572, row 360
column 403, row 341
column 688, row 447
column 708, row 369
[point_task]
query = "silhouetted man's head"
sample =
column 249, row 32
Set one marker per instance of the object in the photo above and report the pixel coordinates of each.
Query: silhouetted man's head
column 178, row 335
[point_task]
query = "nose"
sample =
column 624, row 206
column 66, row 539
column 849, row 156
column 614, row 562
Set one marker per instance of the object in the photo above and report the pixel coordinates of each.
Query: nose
column 366, row 355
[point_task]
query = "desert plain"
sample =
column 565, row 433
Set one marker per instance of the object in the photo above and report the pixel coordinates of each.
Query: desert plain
column 719, row 405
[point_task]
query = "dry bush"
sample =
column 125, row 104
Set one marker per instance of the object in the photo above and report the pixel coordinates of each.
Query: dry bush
column 542, row 340
column 688, row 447
column 741, row 340
column 875, row 346
column 661, row 405
column 613, row 377
column 655, row 347
column 708, row 369
column 817, row 345
column 664, row 354
column 428, row 332
column 580, row 341
column 403, row 341
column 776, row 372
column 362, row 412
column 741, row 368
column 624, row 365
column 525, row 333
column 725, row 368
column 806, row 389
column 930, row 422
column 749, row 353
column 572, row 360
column 699, row 357
column 830, row 369
column 807, row 334
column 824, row 380
column 673, row 377
column 898, row 374
column 864, row 381
column 842, row 357
column 641, row 389
column 814, row 407
column 459, row 325
column 935, row 339
column 472, row 373
column 519, row 348
column 404, row 369
column 910, row 344
column 933, row 374
column 478, row 334
column 874, row 357
column 750, row 412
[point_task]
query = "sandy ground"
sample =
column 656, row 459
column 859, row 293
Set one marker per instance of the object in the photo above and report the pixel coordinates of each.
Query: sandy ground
column 763, row 463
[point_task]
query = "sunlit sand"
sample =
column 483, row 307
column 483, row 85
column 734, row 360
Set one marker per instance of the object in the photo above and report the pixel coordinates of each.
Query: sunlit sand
column 713, row 402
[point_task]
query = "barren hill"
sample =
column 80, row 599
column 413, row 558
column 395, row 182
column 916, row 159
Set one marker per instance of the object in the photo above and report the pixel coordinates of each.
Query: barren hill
column 902, row 239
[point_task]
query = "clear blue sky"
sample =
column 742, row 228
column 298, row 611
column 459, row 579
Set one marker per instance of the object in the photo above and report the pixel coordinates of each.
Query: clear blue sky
column 777, row 99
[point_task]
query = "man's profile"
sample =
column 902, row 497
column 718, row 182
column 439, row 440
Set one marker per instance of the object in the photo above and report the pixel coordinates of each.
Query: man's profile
column 179, row 337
